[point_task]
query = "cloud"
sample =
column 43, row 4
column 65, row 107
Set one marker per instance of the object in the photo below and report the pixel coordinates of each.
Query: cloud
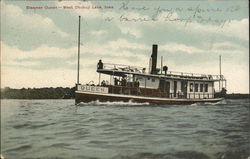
column 48, row 58
column 41, row 58
column 125, row 44
column 238, row 28
column 234, row 28
column 99, row 15
column 30, row 30
column 19, row 78
column 134, row 31
column 98, row 32
column 224, row 45
column 220, row 47
column 14, row 16
column 10, row 53
column 174, row 47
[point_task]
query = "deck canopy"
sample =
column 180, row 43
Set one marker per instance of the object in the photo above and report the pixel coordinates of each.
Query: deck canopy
column 124, row 70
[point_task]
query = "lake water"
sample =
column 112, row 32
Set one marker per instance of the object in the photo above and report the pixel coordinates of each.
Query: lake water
column 49, row 129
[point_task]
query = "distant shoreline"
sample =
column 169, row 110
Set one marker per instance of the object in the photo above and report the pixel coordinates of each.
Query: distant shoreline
column 66, row 93
column 237, row 96
column 38, row 93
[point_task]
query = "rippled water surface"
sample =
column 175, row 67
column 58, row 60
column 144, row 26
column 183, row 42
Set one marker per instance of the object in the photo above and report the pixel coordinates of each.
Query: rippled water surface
column 59, row 129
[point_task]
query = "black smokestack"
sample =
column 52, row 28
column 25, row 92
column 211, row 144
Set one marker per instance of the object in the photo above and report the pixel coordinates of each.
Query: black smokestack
column 154, row 59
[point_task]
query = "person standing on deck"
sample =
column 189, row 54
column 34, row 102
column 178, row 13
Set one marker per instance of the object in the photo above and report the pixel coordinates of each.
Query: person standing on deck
column 124, row 81
column 116, row 81
column 100, row 65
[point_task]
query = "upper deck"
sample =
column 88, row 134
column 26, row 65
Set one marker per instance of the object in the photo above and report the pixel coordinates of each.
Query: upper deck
column 121, row 70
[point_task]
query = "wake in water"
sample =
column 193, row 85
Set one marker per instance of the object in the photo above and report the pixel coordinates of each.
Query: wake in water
column 223, row 102
column 98, row 103
column 130, row 103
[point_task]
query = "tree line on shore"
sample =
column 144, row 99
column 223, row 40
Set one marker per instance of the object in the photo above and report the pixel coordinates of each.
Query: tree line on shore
column 63, row 93
column 38, row 93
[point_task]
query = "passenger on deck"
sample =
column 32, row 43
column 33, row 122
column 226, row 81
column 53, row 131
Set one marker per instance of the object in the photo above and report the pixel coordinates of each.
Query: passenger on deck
column 144, row 70
column 124, row 81
column 100, row 65
column 103, row 83
column 165, row 69
column 137, row 83
column 116, row 81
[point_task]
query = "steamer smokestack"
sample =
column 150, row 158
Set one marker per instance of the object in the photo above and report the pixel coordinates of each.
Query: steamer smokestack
column 154, row 59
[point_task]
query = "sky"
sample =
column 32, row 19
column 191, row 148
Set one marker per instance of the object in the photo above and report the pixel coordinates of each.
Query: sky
column 39, row 39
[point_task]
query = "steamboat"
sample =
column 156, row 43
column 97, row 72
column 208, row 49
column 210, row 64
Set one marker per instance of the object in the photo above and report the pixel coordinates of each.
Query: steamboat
column 152, row 85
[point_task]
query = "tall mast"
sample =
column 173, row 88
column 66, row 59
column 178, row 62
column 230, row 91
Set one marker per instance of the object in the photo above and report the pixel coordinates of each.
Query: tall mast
column 220, row 72
column 161, row 63
column 78, row 64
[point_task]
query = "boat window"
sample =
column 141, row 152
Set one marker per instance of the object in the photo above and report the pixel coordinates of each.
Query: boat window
column 148, row 78
column 201, row 87
column 191, row 87
column 206, row 87
column 196, row 87
column 153, row 80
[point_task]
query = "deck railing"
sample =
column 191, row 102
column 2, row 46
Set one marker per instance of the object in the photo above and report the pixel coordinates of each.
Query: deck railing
column 142, row 70
column 195, row 75
column 146, row 92
column 126, row 68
